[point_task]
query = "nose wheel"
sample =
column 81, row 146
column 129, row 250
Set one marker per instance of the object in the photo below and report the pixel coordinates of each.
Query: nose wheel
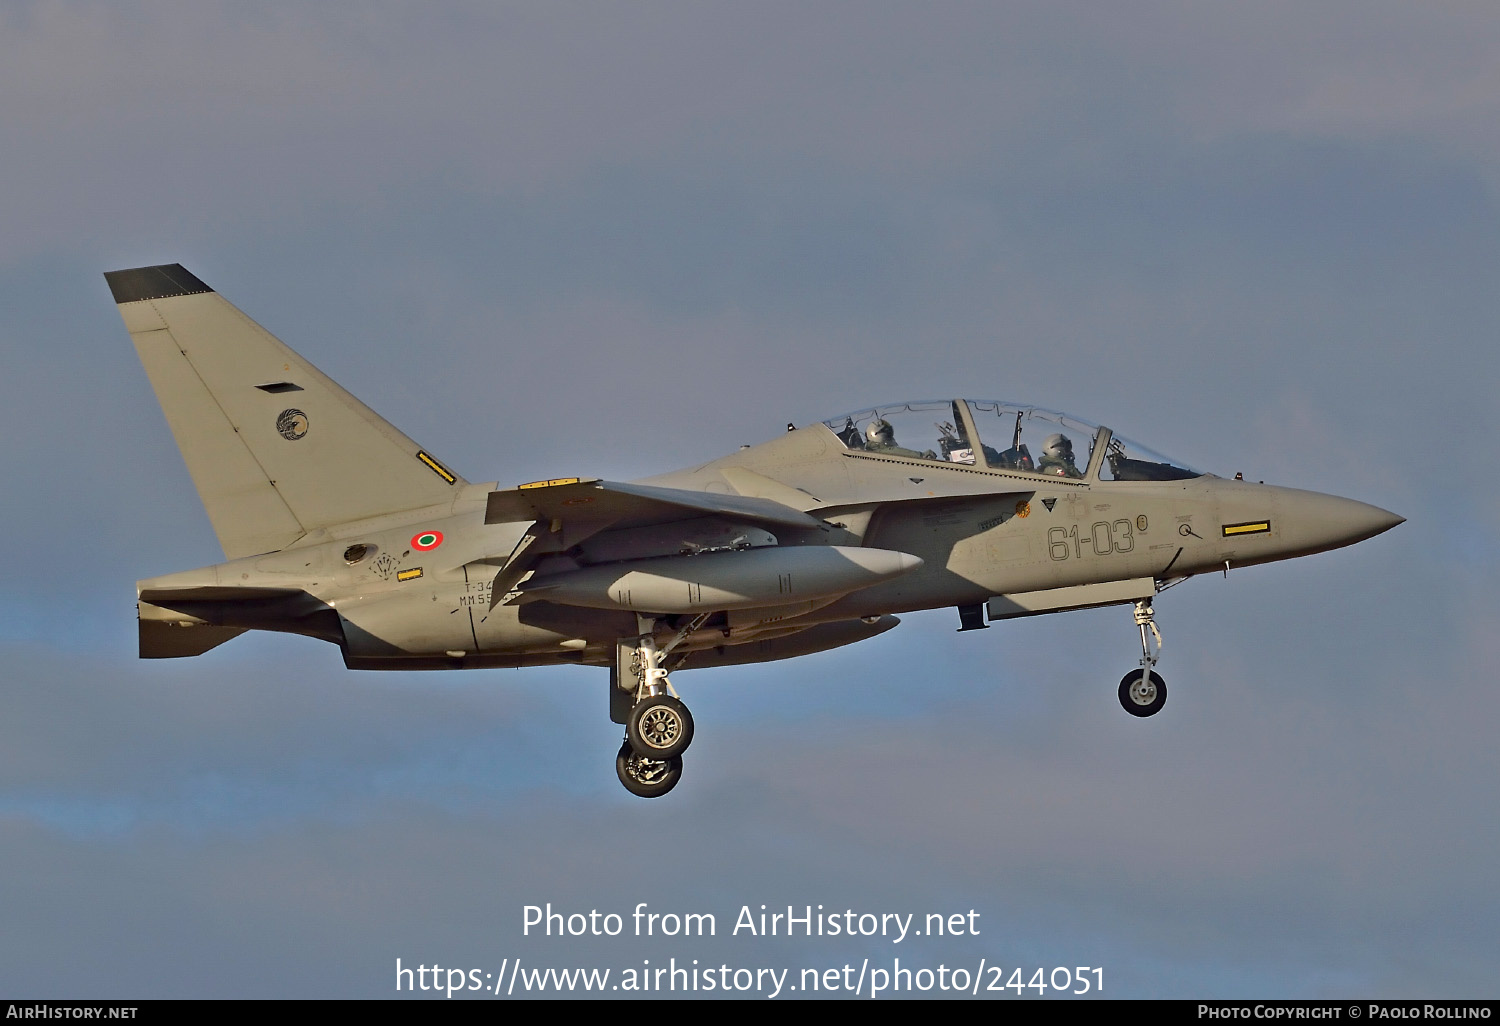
column 1143, row 692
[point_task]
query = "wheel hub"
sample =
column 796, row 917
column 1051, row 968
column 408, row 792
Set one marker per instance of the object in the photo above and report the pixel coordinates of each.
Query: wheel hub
column 1143, row 692
column 647, row 771
column 660, row 728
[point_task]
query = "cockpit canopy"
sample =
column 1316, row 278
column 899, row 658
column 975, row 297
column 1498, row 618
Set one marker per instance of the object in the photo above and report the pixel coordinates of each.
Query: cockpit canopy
column 993, row 435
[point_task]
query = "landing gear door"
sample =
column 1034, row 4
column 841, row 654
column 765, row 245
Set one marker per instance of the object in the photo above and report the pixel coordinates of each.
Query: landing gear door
column 624, row 679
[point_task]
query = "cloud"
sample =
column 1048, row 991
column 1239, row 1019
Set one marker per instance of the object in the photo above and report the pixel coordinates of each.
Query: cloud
column 190, row 119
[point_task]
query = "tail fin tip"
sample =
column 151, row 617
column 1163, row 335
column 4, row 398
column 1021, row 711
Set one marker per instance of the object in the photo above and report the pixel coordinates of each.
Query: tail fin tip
column 160, row 282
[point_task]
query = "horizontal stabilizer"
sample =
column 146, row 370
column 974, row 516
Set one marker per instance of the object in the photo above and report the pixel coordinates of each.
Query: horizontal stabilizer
column 164, row 640
column 266, row 608
column 176, row 598
column 188, row 620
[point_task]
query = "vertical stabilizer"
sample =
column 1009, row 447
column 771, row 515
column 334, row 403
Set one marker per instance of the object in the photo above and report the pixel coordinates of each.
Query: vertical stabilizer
column 274, row 446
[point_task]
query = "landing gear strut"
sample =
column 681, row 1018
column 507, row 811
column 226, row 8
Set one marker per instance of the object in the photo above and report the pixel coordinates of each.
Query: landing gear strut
column 658, row 727
column 1143, row 692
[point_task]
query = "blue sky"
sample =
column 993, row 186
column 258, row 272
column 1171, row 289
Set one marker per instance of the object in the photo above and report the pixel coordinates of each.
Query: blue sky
column 617, row 240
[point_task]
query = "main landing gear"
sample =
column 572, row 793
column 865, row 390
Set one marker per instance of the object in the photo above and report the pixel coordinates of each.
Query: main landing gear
column 658, row 727
column 1142, row 691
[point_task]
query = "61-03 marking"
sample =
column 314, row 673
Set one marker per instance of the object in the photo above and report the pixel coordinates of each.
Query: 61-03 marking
column 1102, row 538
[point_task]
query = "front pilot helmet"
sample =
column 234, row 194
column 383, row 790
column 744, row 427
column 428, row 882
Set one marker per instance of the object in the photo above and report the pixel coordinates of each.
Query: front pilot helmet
column 880, row 432
column 1058, row 447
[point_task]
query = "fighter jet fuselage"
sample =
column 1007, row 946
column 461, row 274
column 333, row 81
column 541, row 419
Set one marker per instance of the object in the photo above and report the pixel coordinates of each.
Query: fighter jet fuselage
column 403, row 604
column 341, row 528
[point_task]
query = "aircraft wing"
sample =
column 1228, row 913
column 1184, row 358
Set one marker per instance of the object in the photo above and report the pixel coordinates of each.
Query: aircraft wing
column 565, row 511
column 632, row 505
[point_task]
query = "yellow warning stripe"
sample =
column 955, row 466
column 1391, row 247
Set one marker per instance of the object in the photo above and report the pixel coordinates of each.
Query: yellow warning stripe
column 409, row 575
column 437, row 468
column 1254, row 527
column 549, row 484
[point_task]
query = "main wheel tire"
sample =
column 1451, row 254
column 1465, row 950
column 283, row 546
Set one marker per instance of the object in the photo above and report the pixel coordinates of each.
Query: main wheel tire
column 659, row 727
column 1142, row 700
column 647, row 778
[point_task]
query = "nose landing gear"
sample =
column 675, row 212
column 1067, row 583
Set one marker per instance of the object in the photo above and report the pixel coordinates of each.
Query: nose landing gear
column 1143, row 692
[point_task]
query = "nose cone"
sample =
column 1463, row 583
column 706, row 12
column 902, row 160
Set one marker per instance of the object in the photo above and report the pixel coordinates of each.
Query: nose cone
column 1314, row 522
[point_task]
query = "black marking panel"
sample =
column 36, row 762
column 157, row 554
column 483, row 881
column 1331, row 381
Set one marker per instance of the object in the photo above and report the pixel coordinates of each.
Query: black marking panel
column 161, row 282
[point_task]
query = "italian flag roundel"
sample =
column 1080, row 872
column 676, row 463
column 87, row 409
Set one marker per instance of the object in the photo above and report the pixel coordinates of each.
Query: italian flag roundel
column 426, row 541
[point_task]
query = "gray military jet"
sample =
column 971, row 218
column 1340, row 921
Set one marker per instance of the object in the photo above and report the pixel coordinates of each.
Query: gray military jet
column 337, row 526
